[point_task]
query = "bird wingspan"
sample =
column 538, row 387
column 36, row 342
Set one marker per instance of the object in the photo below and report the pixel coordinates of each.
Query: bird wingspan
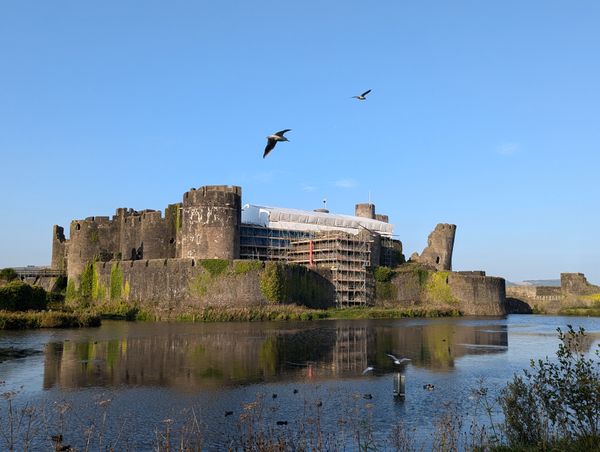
column 281, row 132
column 269, row 147
column 365, row 93
column 391, row 356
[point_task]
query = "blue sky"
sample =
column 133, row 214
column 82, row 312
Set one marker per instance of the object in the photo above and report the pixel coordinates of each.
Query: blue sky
column 482, row 114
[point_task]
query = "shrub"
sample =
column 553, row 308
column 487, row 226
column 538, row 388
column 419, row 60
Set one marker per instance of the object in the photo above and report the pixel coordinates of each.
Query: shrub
column 8, row 274
column 385, row 291
column 383, row 274
column 20, row 296
column 555, row 401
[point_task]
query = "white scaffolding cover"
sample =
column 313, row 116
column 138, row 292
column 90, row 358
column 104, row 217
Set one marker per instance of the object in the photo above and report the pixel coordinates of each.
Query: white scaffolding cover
column 308, row 220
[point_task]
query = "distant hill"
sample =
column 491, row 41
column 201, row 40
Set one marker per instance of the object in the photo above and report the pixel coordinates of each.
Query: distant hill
column 535, row 282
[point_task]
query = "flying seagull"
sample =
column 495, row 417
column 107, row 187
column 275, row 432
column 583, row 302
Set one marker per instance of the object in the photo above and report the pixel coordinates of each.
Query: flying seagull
column 368, row 369
column 396, row 360
column 273, row 139
column 363, row 96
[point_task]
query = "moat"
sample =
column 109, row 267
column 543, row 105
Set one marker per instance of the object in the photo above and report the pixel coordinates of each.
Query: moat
column 148, row 372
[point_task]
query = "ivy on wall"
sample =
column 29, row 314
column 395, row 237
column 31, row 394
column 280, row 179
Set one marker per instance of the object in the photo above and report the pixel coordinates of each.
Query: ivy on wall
column 293, row 283
column 437, row 288
column 215, row 266
column 116, row 282
column 271, row 283
column 246, row 266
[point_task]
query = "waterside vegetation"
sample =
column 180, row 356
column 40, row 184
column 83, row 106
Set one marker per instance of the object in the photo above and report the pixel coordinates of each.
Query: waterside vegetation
column 47, row 319
column 23, row 306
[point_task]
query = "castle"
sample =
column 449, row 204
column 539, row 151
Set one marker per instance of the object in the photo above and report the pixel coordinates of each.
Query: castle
column 156, row 256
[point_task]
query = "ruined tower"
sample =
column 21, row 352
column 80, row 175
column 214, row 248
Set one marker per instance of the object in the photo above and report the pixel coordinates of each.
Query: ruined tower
column 210, row 222
column 59, row 248
column 438, row 253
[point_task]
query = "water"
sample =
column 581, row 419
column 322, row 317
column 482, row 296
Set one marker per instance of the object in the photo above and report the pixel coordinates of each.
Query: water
column 142, row 374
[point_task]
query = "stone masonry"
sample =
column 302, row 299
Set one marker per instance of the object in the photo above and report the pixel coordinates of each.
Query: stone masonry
column 438, row 253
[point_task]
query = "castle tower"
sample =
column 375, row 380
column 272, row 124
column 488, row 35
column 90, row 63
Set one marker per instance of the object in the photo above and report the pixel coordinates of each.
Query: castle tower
column 440, row 243
column 153, row 235
column 59, row 248
column 365, row 210
column 210, row 222
column 173, row 229
column 129, row 225
column 91, row 239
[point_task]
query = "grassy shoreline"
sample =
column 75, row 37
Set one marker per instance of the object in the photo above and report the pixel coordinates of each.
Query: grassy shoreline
column 282, row 313
column 10, row 320
column 581, row 312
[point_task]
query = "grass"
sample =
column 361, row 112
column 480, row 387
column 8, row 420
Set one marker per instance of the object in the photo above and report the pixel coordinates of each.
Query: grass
column 590, row 312
column 293, row 312
column 252, row 314
column 390, row 313
column 46, row 319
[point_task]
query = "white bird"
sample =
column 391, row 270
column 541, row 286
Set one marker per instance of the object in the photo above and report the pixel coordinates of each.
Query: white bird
column 362, row 96
column 398, row 360
column 368, row 369
column 273, row 139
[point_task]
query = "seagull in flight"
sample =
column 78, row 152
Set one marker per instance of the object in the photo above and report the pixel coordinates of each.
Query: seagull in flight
column 273, row 139
column 368, row 369
column 398, row 360
column 363, row 96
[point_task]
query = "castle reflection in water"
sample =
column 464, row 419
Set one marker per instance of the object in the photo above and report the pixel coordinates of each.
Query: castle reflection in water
column 191, row 356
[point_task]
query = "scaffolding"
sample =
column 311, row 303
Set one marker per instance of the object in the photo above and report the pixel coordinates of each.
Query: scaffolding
column 348, row 259
column 267, row 244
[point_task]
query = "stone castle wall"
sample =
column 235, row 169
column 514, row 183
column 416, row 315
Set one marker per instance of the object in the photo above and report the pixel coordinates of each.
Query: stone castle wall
column 574, row 291
column 470, row 292
column 576, row 285
column 180, row 285
column 206, row 225
column 479, row 295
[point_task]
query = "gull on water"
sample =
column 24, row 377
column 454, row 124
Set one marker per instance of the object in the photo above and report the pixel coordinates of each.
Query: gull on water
column 273, row 139
column 362, row 96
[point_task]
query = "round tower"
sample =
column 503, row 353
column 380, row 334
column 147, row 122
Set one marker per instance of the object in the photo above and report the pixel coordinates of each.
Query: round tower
column 84, row 246
column 210, row 222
